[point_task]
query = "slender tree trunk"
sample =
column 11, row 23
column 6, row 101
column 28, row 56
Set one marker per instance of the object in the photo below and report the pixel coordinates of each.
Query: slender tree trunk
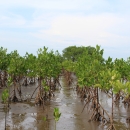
column 55, row 124
column 112, row 112
column 97, row 98
column 5, row 116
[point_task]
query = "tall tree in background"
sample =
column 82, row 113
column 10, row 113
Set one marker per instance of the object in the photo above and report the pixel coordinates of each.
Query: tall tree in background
column 73, row 52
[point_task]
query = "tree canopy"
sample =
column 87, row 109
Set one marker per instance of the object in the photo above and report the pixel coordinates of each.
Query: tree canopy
column 73, row 52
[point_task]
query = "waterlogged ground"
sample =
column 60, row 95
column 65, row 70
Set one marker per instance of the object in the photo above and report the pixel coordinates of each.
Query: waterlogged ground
column 27, row 116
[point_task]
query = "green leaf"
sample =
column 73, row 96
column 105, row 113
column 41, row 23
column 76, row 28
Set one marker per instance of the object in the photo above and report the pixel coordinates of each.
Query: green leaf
column 56, row 114
column 97, row 85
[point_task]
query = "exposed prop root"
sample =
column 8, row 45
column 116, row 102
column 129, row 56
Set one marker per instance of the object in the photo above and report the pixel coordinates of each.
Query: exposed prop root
column 111, row 127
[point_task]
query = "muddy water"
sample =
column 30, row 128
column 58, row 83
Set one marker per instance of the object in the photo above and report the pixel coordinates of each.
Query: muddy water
column 27, row 116
column 120, row 112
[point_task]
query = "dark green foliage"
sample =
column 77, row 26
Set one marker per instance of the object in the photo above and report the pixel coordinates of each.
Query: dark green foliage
column 73, row 52
column 4, row 59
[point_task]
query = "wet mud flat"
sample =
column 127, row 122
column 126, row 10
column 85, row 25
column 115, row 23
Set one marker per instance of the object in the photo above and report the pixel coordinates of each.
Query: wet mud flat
column 28, row 116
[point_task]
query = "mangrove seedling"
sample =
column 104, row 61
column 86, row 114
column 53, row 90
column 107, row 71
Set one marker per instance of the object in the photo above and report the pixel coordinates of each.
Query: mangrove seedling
column 57, row 115
column 5, row 95
column 45, row 119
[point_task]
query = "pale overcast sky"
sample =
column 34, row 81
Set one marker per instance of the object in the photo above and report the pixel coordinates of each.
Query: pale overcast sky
column 26, row 25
